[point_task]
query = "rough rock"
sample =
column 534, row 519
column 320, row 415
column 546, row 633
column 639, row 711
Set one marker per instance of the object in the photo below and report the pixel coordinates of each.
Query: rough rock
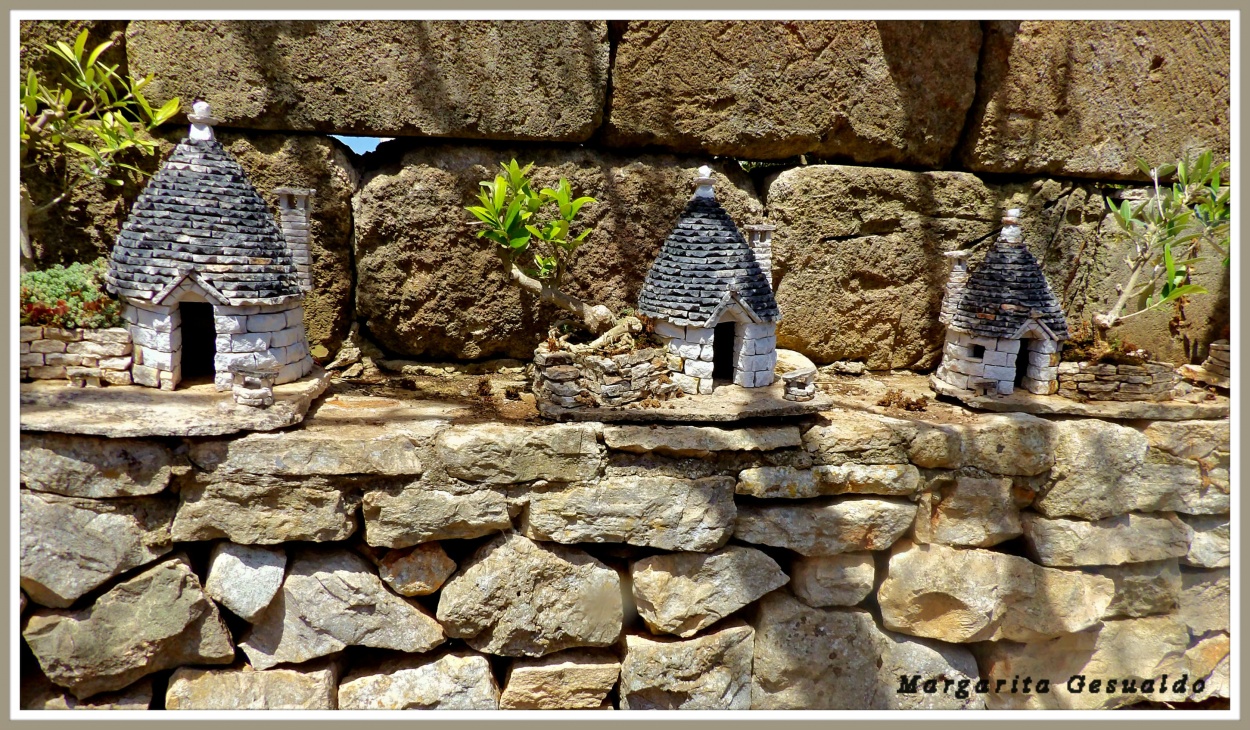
column 1131, row 538
column 969, row 512
column 81, row 466
column 709, row 672
column 37, row 693
column 837, row 659
column 851, row 436
column 455, row 681
column 1104, row 469
column 826, row 527
column 892, row 92
column 264, row 510
column 936, row 447
column 577, row 679
column 857, row 258
column 516, row 597
column 1210, row 546
column 70, row 546
column 428, row 287
column 1142, row 589
column 1205, row 600
column 683, row 593
column 308, row 687
column 244, row 578
column 939, row 592
column 699, row 441
column 932, row 660
column 833, row 580
column 1013, row 444
column 416, row 571
column 311, row 452
column 790, row 483
column 389, row 77
column 664, row 512
column 408, row 514
column 157, row 620
column 1189, row 439
column 1143, row 649
column 331, row 600
column 497, row 453
column 1085, row 98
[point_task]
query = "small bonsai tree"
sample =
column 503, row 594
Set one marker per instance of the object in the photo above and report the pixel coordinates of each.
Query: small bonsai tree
column 536, row 236
column 78, row 127
column 1167, row 232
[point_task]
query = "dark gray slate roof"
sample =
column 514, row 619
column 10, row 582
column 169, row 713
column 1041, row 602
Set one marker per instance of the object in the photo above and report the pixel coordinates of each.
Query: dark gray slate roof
column 1002, row 293
column 200, row 213
column 702, row 261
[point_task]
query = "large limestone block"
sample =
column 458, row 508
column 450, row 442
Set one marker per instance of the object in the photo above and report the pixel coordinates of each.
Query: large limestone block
column 244, row 578
column 698, row 441
column 683, row 593
column 1085, row 98
column 1142, row 589
column 969, row 512
column 82, row 466
column 972, row 595
column 498, row 453
column 429, row 288
column 1104, row 469
column 790, row 483
column 1205, row 600
column 547, row 79
column 826, row 527
column 312, row 452
column 1131, row 538
column 455, row 681
column 264, row 510
column 157, row 620
column 70, row 546
column 409, row 514
column 857, row 258
column 307, row 687
column 869, row 91
column 839, row 659
column 1139, row 650
column 664, row 512
column 1211, row 544
column 833, row 580
column 847, row 437
column 516, row 597
column 708, row 672
column 37, row 693
column 1013, row 444
column 331, row 600
column 1189, row 439
column 577, row 679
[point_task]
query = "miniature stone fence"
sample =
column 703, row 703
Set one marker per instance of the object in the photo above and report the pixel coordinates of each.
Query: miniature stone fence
column 842, row 561
column 82, row 356
column 1152, row 381
column 573, row 380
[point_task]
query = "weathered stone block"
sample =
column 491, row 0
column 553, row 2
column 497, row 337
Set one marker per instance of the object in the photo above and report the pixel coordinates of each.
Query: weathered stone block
column 504, row 454
column 1130, row 538
column 684, row 593
column 826, row 527
column 709, row 672
column 263, row 509
column 969, row 512
column 454, row 681
column 833, row 580
column 84, row 466
column 244, row 578
column 306, row 687
column 699, row 441
column 577, row 679
column 417, row 513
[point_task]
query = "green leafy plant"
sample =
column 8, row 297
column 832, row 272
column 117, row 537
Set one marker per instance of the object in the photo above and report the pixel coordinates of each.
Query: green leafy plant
column 77, row 128
column 68, row 296
column 1168, row 232
column 536, row 235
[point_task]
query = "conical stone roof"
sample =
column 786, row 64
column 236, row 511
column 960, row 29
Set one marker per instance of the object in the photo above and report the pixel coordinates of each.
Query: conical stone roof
column 704, row 264
column 1006, row 290
column 200, row 214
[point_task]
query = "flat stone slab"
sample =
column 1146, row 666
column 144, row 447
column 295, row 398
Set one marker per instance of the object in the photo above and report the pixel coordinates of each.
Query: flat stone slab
column 726, row 403
column 133, row 411
column 1053, row 405
column 1202, row 375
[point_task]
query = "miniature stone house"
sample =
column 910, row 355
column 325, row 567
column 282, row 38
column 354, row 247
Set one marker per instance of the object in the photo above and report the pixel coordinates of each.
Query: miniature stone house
column 1004, row 326
column 710, row 297
column 205, row 273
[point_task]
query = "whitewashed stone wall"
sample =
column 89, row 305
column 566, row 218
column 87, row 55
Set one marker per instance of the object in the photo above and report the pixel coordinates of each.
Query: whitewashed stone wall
column 754, row 355
column 82, row 356
column 995, row 370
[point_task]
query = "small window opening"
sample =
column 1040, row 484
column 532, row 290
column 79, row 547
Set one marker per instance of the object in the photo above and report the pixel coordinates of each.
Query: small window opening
column 723, row 351
column 978, row 351
column 199, row 342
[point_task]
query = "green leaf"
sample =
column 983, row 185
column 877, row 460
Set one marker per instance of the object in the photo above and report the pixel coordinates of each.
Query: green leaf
column 80, row 43
column 98, row 50
column 519, row 243
column 1166, row 170
column 83, row 149
column 1143, row 166
column 167, row 110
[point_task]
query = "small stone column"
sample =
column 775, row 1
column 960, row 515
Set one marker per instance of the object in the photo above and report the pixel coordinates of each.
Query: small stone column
column 954, row 285
column 294, row 206
column 760, row 238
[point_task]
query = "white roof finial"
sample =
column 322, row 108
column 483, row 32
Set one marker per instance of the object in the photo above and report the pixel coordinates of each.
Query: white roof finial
column 202, row 121
column 704, row 181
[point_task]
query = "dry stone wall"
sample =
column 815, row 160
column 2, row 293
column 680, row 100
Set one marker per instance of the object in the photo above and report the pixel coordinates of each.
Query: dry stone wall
column 848, row 560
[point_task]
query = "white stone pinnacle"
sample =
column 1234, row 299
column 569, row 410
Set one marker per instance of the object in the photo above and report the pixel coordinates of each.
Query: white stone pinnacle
column 704, row 181
column 202, row 121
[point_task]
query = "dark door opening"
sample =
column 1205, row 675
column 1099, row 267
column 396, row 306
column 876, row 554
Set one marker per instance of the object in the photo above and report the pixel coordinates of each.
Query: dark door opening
column 1022, row 362
column 723, row 351
column 199, row 342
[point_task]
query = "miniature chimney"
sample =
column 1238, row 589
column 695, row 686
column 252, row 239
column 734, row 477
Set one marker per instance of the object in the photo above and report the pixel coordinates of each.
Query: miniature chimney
column 760, row 238
column 202, row 121
column 954, row 285
column 1011, row 227
column 704, row 181
column 294, row 205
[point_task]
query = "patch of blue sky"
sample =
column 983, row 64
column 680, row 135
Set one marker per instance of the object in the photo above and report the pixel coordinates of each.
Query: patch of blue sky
column 361, row 145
